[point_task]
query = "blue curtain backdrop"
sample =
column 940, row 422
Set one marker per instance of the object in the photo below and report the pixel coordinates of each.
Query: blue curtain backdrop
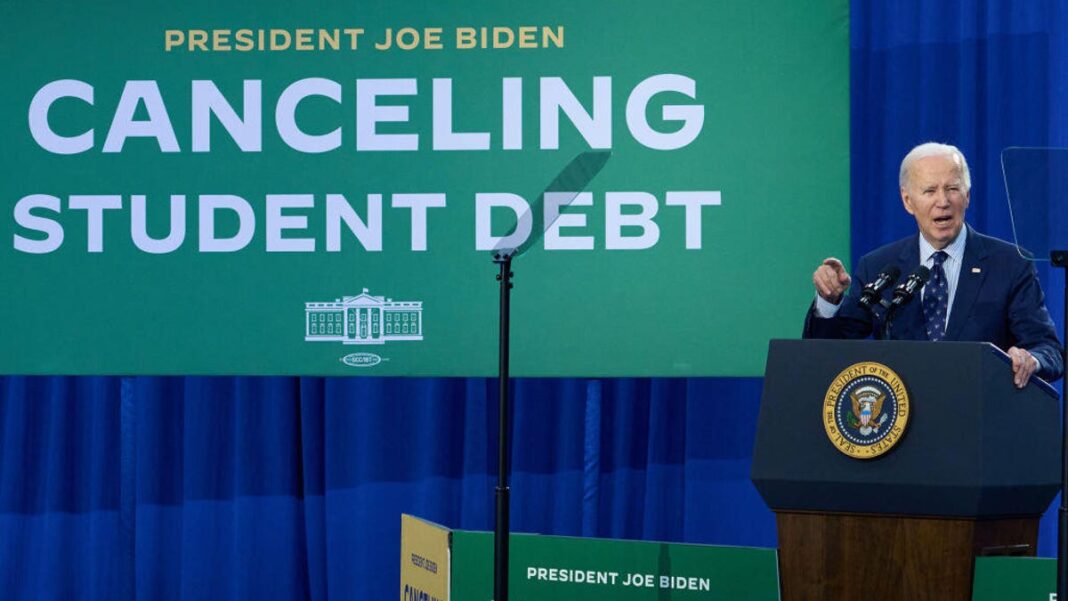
column 275, row 488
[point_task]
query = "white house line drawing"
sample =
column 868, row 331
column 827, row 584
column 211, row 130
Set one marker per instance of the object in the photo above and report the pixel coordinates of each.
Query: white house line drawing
column 363, row 319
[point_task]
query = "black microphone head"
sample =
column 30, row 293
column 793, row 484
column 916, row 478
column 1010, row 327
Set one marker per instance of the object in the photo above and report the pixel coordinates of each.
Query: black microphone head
column 873, row 289
column 904, row 291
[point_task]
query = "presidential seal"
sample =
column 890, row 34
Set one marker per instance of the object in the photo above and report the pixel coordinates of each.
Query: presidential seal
column 866, row 410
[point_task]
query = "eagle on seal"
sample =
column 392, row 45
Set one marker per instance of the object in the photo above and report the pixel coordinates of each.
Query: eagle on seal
column 867, row 407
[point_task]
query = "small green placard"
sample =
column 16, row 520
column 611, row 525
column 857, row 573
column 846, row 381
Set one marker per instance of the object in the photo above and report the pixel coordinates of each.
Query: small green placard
column 558, row 568
column 1015, row 578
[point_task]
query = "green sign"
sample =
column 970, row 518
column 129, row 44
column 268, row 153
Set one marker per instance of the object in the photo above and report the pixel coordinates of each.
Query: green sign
column 560, row 567
column 314, row 188
column 1016, row 578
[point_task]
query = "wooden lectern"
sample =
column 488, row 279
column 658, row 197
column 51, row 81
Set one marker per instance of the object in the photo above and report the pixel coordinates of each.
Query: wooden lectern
column 977, row 465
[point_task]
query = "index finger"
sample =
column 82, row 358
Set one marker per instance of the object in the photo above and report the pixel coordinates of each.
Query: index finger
column 836, row 265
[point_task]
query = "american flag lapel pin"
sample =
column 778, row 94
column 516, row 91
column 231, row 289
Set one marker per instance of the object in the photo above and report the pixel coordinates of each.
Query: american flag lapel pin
column 976, row 270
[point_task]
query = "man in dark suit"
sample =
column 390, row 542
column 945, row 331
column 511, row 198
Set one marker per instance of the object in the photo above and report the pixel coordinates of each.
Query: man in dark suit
column 980, row 287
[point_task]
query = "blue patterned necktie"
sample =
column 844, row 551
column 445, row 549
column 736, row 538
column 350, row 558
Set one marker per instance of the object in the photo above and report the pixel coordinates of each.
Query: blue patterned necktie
column 936, row 299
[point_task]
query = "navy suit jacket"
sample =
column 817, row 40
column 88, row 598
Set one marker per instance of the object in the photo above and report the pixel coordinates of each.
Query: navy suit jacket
column 998, row 300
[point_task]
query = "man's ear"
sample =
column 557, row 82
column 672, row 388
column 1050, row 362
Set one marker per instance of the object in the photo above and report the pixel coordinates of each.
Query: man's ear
column 907, row 201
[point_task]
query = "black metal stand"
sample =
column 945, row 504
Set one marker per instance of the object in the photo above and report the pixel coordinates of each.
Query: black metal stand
column 573, row 179
column 501, row 527
column 1059, row 258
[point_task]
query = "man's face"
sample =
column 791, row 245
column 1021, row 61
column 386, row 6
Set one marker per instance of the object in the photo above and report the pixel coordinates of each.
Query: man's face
column 936, row 197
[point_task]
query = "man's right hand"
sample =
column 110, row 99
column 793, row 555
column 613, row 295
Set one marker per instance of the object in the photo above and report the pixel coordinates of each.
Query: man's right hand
column 831, row 280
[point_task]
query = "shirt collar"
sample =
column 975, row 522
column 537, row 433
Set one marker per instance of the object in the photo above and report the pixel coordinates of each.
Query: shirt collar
column 955, row 250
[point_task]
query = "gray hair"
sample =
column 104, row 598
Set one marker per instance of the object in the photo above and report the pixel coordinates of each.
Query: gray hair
column 934, row 149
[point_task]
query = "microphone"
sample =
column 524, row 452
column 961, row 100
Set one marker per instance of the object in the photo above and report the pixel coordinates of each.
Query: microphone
column 907, row 289
column 874, row 289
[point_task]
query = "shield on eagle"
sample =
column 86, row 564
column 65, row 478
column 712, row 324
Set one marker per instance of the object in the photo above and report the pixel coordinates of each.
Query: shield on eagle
column 867, row 407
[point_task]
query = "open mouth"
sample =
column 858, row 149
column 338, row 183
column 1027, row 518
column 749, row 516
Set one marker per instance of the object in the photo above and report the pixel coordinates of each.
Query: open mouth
column 944, row 220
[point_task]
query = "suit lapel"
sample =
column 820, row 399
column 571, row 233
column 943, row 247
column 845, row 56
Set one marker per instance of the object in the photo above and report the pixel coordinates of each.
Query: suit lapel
column 909, row 324
column 972, row 274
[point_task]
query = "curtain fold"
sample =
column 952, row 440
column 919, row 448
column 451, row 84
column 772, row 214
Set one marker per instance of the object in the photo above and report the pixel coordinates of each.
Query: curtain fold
column 285, row 488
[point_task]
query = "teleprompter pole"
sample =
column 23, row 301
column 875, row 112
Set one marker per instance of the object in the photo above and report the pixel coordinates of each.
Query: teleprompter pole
column 573, row 179
column 1059, row 258
column 501, row 527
